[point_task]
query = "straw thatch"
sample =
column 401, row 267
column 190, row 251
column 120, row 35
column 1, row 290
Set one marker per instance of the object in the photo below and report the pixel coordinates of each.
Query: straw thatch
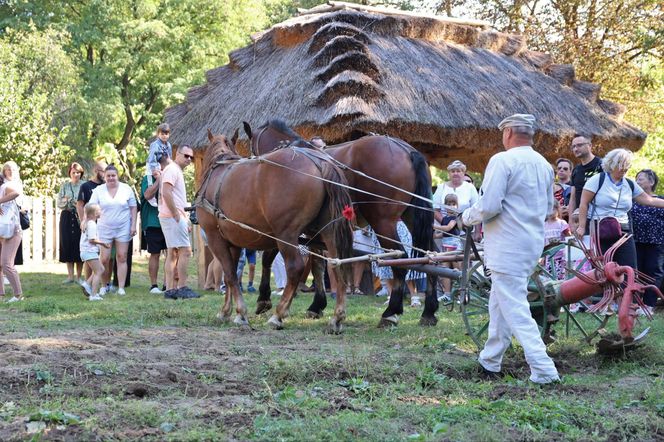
column 441, row 85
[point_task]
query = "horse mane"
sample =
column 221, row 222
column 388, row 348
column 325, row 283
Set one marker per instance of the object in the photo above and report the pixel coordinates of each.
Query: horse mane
column 217, row 150
column 281, row 126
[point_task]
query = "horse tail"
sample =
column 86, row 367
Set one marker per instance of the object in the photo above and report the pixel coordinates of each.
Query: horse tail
column 338, row 199
column 422, row 214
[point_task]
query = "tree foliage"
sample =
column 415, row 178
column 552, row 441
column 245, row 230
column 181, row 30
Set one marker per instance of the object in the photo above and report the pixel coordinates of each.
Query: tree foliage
column 136, row 58
column 36, row 78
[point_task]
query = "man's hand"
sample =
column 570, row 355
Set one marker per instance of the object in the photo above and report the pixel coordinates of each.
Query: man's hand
column 580, row 231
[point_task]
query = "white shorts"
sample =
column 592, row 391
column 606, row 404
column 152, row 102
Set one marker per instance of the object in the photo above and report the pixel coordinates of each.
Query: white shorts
column 108, row 234
column 176, row 233
column 89, row 256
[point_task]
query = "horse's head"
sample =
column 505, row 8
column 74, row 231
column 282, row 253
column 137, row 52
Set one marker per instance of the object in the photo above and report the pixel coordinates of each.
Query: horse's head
column 269, row 136
column 220, row 147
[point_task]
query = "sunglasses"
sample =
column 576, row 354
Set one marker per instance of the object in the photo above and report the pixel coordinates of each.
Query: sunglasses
column 189, row 157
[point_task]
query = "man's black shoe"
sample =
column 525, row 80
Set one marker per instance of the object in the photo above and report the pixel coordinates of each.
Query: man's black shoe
column 187, row 293
column 490, row 375
column 171, row 294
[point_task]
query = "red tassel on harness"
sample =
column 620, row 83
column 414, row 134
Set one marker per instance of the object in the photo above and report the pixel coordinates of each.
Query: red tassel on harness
column 348, row 212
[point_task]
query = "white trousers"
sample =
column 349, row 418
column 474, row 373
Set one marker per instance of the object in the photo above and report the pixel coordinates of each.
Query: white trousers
column 279, row 271
column 509, row 315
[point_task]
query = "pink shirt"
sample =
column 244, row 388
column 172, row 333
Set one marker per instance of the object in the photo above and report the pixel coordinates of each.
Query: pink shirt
column 173, row 175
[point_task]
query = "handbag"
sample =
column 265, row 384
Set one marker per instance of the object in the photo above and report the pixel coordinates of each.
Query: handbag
column 608, row 227
column 24, row 219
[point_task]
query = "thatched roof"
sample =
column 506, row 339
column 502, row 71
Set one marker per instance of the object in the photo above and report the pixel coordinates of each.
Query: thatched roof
column 442, row 85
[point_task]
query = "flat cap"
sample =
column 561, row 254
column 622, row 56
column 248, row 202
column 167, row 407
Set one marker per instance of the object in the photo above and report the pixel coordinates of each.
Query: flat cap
column 520, row 120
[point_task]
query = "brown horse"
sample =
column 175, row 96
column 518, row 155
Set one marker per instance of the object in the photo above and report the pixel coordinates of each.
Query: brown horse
column 273, row 208
column 399, row 186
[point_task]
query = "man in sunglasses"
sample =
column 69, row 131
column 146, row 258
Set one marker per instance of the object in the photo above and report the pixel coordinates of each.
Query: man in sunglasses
column 563, row 171
column 162, row 146
column 175, row 223
column 590, row 166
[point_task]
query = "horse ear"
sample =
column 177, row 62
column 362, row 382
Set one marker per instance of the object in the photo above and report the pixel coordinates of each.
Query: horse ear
column 235, row 136
column 210, row 136
column 247, row 129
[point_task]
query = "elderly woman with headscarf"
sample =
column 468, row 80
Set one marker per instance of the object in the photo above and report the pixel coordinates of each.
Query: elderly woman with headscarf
column 610, row 194
column 70, row 231
column 11, row 234
column 648, row 224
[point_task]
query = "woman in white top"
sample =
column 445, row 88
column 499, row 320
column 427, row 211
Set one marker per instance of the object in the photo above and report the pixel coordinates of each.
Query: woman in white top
column 465, row 192
column 613, row 198
column 117, row 224
column 11, row 191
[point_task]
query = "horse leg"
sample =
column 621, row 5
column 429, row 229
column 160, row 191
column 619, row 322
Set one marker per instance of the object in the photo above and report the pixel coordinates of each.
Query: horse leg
column 342, row 274
column 222, row 251
column 263, row 303
column 315, row 310
column 233, row 286
column 428, row 317
column 294, row 269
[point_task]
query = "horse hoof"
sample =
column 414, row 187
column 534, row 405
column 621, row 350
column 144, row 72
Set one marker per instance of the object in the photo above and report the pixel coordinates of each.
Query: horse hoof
column 390, row 321
column 312, row 315
column 263, row 306
column 241, row 321
column 222, row 319
column 275, row 323
column 428, row 321
column 334, row 328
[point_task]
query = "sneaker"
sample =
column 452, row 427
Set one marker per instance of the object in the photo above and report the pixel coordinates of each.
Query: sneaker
column 187, row 293
column 445, row 298
column 102, row 290
column 121, row 291
column 489, row 375
column 96, row 297
column 155, row 290
column 171, row 294
column 415, row 301
column 15, row 299
column 69, row 281
column 251, row 289
column 381, row 292
column 277, row 292
column 81, row 281
column 87, row 289
column 112, row 288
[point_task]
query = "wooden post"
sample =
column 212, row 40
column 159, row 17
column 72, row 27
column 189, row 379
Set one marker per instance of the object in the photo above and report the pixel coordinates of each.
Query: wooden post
column 200, row 254
column 27, row 234
column 49, row 234
column 37, row 232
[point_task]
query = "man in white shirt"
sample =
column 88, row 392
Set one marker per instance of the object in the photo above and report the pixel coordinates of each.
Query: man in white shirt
column 516, row 196
column 175, row 223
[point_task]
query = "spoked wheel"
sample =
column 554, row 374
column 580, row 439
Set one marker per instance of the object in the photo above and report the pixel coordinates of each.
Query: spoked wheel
column 475, row 308
column 585, row 326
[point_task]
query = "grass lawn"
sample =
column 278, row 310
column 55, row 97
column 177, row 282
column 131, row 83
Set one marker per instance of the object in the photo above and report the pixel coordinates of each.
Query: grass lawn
column 142, row 367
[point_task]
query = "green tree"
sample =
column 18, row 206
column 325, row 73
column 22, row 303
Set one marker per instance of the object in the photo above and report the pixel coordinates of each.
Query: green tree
column 36, row 77
column 137, row 57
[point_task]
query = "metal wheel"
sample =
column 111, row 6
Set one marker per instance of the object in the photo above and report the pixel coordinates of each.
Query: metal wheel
column 475, row 311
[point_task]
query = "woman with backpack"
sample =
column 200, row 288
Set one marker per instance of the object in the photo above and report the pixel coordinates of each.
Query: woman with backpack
column 605, row 201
